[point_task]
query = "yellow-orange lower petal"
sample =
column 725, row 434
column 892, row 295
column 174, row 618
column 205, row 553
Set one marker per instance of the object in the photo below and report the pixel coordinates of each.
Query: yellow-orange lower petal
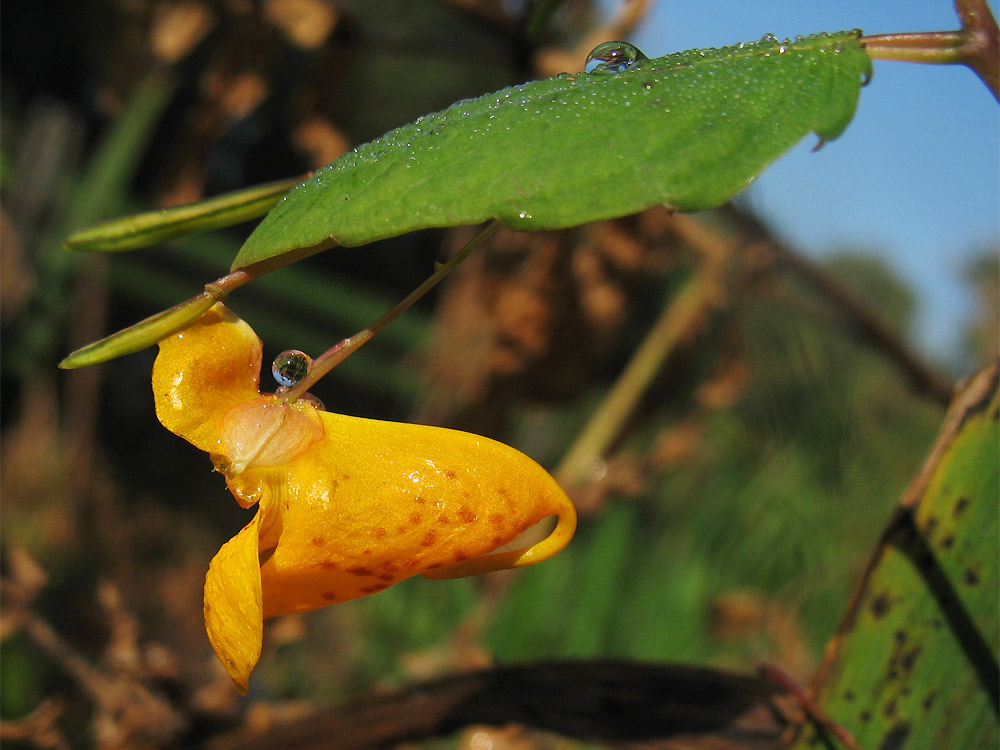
column 234, row 616
column 374, row 502
column 533, row 554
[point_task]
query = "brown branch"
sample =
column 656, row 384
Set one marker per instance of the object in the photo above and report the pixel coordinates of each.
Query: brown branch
column 865, row 321
column 625, row 704
column 982, row 45
column 976, row 44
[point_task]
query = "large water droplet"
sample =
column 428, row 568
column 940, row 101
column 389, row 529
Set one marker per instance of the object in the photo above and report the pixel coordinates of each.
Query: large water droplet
column 613, row 57
column 290, row 367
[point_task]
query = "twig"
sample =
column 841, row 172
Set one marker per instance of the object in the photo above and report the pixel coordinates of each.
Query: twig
column 126, row 709
column 808, row 704
column 866, row 321
column 977, row 44
column 680, row 316
column 39, row 728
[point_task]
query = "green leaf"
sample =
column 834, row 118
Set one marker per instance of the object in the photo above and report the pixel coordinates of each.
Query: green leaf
column 689, row 130
column 149, row 228
column 914, row 664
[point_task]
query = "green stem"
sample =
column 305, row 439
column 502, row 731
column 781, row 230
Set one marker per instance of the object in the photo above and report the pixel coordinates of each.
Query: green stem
column 977, row 44
column 680, row 315
column 933, row 47
column 341, row 351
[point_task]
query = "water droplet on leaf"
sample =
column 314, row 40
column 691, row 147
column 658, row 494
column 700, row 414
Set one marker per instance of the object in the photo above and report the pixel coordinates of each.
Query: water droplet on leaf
column 613, row 57
column 290, row 367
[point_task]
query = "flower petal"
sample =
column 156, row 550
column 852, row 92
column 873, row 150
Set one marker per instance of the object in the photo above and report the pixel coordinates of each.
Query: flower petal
column 203, row 372
column 262, row 433
column 234, row 603
column 374, row 502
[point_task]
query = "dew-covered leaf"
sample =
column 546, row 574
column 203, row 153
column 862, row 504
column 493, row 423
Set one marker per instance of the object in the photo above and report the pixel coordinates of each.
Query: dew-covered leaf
column 689, row 130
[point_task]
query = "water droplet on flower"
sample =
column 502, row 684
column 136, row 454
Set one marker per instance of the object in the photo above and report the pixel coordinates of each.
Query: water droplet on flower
column 311, row 399
column 290, row 367
column 613, row 57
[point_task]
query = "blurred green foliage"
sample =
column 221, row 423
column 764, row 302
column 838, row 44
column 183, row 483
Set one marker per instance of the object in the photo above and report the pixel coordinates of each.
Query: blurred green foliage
column 742, row 546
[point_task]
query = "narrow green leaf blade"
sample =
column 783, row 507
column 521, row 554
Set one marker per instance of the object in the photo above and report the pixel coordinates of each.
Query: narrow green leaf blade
column 914, row 665
column 143, row 230
column 689, row 130
column 144, row 333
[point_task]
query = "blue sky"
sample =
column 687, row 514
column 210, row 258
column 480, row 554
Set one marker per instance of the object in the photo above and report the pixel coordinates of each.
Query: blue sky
column 915, row 177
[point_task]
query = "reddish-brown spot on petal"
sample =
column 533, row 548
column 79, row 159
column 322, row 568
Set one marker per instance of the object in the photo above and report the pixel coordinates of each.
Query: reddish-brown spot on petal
column 380, row 586
column 450, row 474
column 360, row 570
column 431, row 566
column 400, row 529
column 415, row 518
column 328, row 564
column 378, row 532
column 497, row 541
column 443, row 518
column 318, row 541
column 429, row 539
column 345, row 476
column 496, row 519
column 367, row 551
column 467, row 514
column 459, row 556
column 329, row 596
column 387, row 577
column 419, row 500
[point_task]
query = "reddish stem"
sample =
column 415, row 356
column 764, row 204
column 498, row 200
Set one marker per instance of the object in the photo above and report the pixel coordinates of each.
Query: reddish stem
column 977, row 44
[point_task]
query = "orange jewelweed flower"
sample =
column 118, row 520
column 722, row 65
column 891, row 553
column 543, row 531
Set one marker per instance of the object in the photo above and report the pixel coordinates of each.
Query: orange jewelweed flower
column 346, row 506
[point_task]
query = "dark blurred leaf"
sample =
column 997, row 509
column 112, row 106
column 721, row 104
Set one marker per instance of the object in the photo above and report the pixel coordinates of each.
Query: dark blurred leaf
column 626, row 703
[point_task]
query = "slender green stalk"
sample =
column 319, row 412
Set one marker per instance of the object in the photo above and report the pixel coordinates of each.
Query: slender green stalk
column 933, row 47
column 341, row 351
column 678, row 318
